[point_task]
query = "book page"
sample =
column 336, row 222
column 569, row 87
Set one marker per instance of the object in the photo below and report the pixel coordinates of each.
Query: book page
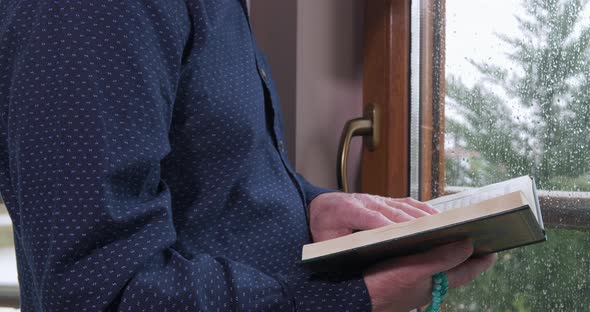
column 474, row 196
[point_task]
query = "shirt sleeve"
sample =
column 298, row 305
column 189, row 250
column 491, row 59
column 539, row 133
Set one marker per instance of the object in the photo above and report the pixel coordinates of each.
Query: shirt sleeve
column 91, row 92
column 312, row 191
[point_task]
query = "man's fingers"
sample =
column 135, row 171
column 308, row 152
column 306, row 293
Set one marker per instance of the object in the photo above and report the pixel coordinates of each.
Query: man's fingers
column 469, row 270
column 407, row 208
column 365, row 219
column 418, row 204
column 439, row 259
column 395, row 214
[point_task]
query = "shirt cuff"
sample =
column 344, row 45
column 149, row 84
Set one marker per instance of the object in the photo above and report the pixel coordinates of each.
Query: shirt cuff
column 311, row 191
column 344, row 293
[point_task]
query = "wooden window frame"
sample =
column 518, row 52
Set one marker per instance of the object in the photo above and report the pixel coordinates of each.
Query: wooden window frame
column 432, row 100
column 386, row 70
column 386, row 84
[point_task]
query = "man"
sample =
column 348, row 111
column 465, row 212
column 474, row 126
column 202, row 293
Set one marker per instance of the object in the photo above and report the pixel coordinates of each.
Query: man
column 143, row 166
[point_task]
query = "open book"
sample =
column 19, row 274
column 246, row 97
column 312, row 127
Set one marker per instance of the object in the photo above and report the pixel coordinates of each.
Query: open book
column 496, row 217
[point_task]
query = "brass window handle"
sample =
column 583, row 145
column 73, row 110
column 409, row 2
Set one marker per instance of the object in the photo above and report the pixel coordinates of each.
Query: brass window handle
column 367, row 126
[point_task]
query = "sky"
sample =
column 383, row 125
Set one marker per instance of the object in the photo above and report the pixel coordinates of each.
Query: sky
column 471, row 31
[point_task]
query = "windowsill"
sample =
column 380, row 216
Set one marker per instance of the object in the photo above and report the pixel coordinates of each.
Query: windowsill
column 560, row 209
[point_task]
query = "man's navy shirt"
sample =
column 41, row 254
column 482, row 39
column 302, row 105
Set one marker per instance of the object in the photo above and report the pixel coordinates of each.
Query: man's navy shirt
column 142, row 163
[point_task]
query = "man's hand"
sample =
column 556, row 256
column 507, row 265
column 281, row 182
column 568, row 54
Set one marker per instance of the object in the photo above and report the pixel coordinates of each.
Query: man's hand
column 405, row 283
column 402, row 283
column 333, row 215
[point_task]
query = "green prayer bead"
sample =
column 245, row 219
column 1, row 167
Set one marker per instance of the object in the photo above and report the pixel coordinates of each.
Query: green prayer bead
column 440, row 286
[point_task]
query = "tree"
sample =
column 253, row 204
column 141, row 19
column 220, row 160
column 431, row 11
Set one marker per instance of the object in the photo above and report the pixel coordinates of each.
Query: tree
column 532, row 117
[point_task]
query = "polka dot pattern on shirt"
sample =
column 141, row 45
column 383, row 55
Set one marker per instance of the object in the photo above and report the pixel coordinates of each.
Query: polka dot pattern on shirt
column 140, row 161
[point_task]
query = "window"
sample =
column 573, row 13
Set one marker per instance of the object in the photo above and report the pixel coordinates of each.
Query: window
column 511, row 83
column 8, row 275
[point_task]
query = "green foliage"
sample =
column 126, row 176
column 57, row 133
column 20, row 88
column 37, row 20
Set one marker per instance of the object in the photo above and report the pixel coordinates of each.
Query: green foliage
column 532, row 117
column 552, row 276
column 541, row 124
column 520, row 304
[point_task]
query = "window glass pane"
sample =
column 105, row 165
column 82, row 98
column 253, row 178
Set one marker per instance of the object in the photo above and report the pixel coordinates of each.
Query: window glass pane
column 552, row 276
column 8, row 275
column 518, row 92
column 518, row 102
